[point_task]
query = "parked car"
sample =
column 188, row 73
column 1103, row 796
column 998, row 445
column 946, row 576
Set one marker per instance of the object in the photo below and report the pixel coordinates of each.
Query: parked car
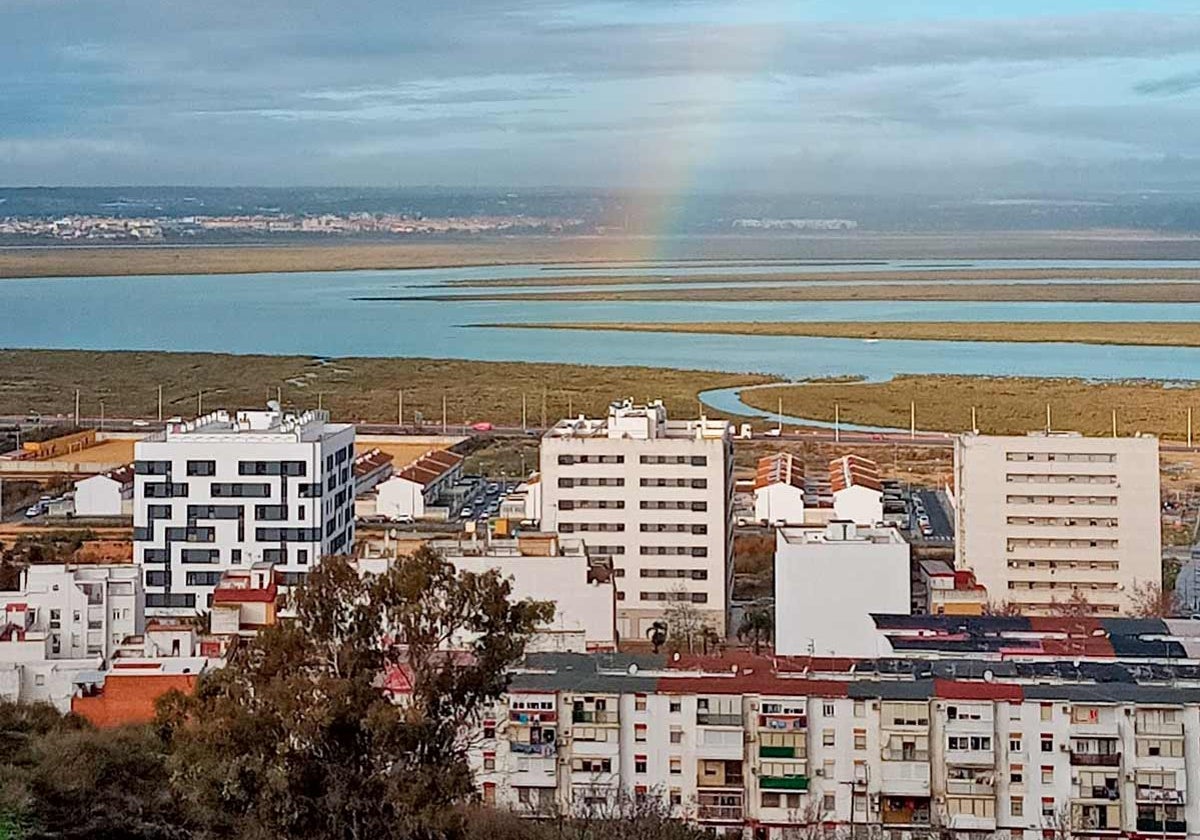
column 34, row 511
column 466, row 513
column 482, row 427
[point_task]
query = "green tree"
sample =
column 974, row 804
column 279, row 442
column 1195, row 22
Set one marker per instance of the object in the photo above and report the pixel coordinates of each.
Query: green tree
column 757, row 626
column 295, row 738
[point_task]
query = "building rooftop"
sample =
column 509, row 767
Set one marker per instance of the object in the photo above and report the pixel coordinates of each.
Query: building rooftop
column 370, row 461
column 854, row 471
column 258, row 426
column 840, row 532
column 431, row 466
column 780, row 468
column 627, row 421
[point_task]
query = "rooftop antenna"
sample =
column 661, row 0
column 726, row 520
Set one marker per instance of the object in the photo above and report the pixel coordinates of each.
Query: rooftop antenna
column 273, row 405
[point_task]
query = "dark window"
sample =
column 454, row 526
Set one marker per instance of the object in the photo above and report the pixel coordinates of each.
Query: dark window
column 235, row 556
column 287, row 534
column 201, row 467
column 203, row 578
column 270, row 513
column 292, row 578
column 164, row 490
column 302, row 557
column 156, row 578
column 235, row 490
column 274, row 555
column 154, row 555
column 158, row 511
column 174, row 599
column 311, row 490
column 199, row 555
column 151, row 467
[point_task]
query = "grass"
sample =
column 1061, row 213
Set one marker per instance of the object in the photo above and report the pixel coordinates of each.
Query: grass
column 1139, row 333
column 362, row 389
column 1066, row 292
column 1004, row 405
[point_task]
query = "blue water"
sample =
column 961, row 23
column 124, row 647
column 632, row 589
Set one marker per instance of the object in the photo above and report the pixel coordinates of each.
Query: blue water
column 315, row 313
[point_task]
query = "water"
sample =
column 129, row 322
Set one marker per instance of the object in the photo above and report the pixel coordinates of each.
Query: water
column 315, row 313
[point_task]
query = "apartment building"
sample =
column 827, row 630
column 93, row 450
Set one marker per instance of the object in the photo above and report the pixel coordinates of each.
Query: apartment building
column 1042, row 516
column 751, row 747
column 228, row 490
column 656, row 496
column 829, row 579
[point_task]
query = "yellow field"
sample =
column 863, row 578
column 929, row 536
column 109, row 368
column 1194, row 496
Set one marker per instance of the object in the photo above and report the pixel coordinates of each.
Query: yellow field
column 402, row 453
column 104, row 452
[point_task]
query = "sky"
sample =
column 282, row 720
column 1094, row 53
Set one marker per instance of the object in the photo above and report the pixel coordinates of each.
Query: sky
column 845, row 97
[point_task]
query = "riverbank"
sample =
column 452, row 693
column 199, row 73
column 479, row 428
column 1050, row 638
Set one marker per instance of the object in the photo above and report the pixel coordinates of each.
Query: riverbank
column 1181, row 292
column 1003, row 405
column 364, row 389
column 89, row 261
column 940, row 273
column 1121, row 333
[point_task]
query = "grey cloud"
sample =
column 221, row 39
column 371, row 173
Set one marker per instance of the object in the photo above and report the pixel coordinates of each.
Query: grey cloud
column 1176, row 85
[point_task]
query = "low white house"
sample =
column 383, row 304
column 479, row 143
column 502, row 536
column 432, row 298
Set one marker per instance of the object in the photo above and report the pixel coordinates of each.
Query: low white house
column 857, row 490
column 107, row 494
column 525, row 502
column 416, row 490
column 370, row 468
column 829, row 580
column 779, row 490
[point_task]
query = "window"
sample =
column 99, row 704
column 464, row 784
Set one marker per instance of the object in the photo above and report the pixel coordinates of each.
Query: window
column 639, row 764
column 201, row 467
column 1047, row 743
column 860, row 739
column 676, row 736
column 235, row 555
column 860, row 708
column 827, row 738
column 639, row 702
column 1016, row 774
column 302, row 557
column 489, row 729
column 770, row 800
column 827, row 709
column 676, row 766
column 1014, row 743
column 676, row 796
column 1047, row 774
column 1047, row 710
column 829, row 803
column 639, row 732
column 1017, row 806
column 676, row 706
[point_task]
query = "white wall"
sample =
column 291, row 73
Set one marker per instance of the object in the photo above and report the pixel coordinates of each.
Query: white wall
column 99, row 495
column 858, row 504
column 779, row 502
column 398, row 497
column 825, row 592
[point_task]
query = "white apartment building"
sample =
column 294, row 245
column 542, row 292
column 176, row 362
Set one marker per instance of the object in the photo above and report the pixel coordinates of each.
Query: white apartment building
column 857, row 490
column 107, row 494
column 829, row 579
column 655, row 495
column 780, row 753
column 779, row 490
column 64, row 622
column 1045, row 514
column 231, row 489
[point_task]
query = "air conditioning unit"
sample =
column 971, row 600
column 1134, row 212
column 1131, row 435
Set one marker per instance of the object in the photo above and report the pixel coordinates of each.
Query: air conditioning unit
column 820, row 771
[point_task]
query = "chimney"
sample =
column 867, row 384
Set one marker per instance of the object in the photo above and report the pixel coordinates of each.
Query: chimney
column 839, row 530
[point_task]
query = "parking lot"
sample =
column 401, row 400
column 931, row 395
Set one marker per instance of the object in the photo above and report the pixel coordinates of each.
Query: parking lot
column 936, row 526
column 484, row 501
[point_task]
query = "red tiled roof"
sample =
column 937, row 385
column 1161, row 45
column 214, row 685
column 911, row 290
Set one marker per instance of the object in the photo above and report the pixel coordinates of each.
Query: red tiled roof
column 121, row 475
column 854, row 471
column 431, row 466
column 956, row 690
column 129, row 698
column 781, row 468
column 245, row 595
column 371, row 460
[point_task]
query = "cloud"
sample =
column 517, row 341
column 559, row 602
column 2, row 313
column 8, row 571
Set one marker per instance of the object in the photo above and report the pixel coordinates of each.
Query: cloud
column 1176, row 85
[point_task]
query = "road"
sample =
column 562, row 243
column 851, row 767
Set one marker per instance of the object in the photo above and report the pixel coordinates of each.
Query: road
column 937, row 509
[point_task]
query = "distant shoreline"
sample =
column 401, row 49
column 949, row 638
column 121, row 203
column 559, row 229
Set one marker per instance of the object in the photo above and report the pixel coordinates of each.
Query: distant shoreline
column 69, row 260
column 1128, row 333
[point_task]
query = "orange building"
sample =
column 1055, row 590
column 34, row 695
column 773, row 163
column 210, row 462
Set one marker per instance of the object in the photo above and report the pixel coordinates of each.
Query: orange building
column 128, row 695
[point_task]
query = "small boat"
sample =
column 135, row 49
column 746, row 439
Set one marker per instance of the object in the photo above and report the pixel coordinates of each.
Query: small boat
column 870, row 341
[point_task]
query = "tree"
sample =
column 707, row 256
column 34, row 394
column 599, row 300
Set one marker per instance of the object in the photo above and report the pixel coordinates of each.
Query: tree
column 1150, row 600
column 1076, row 606
column 685, row 624
column 1002, row 608
column 295, row 737
column 757, row 625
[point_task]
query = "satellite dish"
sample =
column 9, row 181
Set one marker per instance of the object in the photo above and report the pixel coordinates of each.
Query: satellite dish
column 988, row 676
column 273, row 405
column 675, row 656
column 633, row 668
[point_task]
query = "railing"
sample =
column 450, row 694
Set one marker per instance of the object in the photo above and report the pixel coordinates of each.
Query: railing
column 967, row 787
column 717, row 719
column 721, row 813
column 778, row 752
column 1096, row 759
column 905, row 755
column 1110, row 794
column 1159, row 728
column 1166, row 796
column 728, row 782
column 519, row 717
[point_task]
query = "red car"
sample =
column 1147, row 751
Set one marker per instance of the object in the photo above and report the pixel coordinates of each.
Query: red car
column 482, row 426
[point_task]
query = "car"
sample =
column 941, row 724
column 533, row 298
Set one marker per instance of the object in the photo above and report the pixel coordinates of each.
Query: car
column 403, row 519
column 493, row 489
column 926, row 531
column 482, row 426
column 466, row 513
column 33, row 511
column 140, row 423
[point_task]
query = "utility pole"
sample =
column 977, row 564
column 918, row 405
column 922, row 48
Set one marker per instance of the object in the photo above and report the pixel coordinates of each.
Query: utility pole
column 1049, row 426
column 1114, row 418
column 543, row 408
column 1189, row 428
column 912, row 420
column 279, row 396
column 400, row 408
column 443, row 414
column 102, row 415
column 159, row 403
column 200, row 403
column 779, row 416
column 320, row 400
column 524, row 414
column 570, row 405
column 837, row 423
column 77, row 407
column 974, row 421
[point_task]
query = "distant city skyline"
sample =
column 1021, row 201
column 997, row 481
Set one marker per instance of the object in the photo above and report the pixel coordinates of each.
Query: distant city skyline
column 680, row 96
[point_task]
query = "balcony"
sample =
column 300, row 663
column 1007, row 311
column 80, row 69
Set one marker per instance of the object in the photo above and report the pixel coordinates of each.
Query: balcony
column 601, row 717
column 970, row 787
column 1155, row 826
column 1098, row 793
column 720, row 781
column 782, row 723
column 1095, row 759
column 525, row 718
column 905, row 778
column 543, row 750
column 783, row 783
column 719, row 813
column 1160, row 728
column 970, row 822
column 1164, row 796
column 971, row 758
column 780, row 752
column 717, row 719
